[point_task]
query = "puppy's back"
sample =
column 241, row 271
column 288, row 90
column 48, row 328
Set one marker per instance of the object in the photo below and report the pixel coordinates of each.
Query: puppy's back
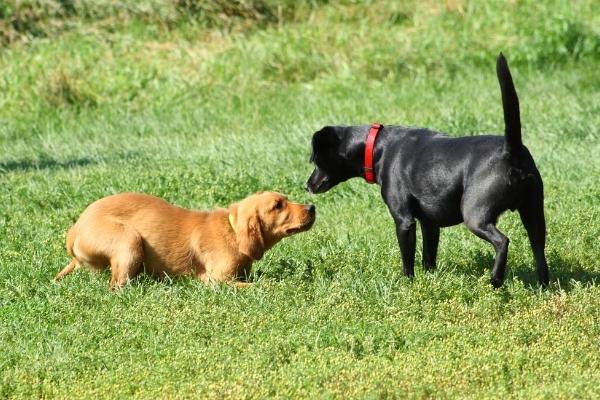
column 155, row 219
column 164, row 229
column 126, row 206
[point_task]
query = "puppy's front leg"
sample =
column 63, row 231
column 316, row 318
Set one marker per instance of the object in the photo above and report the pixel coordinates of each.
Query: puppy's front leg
column 406, row 234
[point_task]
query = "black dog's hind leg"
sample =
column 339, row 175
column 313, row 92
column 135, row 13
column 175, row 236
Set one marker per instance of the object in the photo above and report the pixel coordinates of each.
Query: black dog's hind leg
column 488, row 231
column 532, row 216
column 406, row 234
column 431, row 239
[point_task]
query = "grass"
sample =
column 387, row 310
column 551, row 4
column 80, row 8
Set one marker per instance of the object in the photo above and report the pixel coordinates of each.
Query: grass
column 203, row 114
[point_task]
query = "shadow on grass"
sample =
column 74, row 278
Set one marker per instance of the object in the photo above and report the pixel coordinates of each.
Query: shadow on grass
column 44, row 163
column 285, row 268
column 569, row 274
column 564, row 273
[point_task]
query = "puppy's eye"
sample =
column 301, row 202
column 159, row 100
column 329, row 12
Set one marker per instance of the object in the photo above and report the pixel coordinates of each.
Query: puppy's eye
column 278, row 205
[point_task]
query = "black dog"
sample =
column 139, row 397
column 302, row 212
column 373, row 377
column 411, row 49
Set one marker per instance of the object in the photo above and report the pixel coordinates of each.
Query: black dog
column 442, row 181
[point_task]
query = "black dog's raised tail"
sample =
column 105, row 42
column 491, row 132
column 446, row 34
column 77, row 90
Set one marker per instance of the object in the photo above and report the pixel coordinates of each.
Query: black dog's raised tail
column 510, row 104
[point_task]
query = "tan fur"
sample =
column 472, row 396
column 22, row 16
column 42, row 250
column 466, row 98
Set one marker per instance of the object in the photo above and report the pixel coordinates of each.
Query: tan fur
column 133, row 232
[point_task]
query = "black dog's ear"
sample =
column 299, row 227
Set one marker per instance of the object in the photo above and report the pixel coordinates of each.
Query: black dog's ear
column 324, row 139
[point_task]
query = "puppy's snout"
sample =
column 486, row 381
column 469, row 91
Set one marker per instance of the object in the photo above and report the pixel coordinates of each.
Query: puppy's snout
column 311, row 209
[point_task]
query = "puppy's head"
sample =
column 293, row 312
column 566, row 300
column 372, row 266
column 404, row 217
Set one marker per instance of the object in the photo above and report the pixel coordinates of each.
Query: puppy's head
column 263, row 219
column 336, row 154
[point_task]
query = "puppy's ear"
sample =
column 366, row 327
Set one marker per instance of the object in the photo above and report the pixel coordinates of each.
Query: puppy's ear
column 246, row 224
column 324, row 140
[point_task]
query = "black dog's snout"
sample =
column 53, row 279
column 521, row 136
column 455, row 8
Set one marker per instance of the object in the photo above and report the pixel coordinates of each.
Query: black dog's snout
column 311, row 209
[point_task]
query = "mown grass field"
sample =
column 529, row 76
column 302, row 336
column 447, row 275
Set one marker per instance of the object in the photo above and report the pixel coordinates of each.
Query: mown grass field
column 202, row 103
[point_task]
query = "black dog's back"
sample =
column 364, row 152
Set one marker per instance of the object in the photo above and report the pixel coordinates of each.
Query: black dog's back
column 435, row 170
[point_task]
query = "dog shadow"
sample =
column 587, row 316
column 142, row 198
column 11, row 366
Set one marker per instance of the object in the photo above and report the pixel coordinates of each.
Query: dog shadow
column 284, row 269
column 566, row 274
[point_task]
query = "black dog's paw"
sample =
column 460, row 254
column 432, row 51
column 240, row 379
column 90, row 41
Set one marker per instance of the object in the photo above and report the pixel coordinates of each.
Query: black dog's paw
column 496, row 282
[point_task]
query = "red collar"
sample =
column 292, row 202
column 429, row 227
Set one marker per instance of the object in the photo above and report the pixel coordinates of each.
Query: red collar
column 368, row 167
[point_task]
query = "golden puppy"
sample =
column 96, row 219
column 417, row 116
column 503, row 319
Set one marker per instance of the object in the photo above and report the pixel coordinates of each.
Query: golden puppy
column 131, row 232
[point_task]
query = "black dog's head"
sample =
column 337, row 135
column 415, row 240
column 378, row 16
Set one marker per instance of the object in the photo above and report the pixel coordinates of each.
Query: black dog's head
column 337, row 155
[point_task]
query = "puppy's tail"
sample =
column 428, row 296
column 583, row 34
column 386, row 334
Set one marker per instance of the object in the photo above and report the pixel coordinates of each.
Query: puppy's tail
column 510, row 104
column 67, row 270
column 74, row 263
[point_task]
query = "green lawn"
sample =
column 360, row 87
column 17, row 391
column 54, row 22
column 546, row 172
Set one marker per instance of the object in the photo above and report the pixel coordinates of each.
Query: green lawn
column 206, row 107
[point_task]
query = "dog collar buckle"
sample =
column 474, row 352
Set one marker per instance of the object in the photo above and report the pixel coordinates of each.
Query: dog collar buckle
column 369, row 147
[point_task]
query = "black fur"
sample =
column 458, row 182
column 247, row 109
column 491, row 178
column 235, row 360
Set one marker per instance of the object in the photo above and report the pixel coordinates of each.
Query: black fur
column 442, row 181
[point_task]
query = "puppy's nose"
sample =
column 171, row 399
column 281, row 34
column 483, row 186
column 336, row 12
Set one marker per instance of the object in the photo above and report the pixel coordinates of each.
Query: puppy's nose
column 311, row 209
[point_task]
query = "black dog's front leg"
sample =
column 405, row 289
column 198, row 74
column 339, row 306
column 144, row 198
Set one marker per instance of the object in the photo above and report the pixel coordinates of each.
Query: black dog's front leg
column 407, row 241
column 405, row 226
column 431, row 239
